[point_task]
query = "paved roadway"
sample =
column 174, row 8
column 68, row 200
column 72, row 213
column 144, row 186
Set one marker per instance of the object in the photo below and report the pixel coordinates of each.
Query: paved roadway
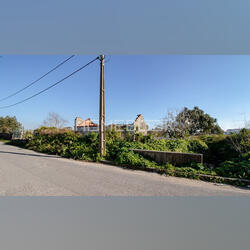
column 27, row 173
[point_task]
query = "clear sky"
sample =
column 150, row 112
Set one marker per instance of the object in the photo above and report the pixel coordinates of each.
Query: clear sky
column 150, row 85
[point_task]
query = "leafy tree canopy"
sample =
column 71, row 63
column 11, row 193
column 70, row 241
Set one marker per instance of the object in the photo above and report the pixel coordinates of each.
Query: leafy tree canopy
column 196, row 121
column 9, row 124
column 189, row 122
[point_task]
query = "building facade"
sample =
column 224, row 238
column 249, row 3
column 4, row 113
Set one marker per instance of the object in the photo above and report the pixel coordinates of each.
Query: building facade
column 85, row 126
column 138, row 126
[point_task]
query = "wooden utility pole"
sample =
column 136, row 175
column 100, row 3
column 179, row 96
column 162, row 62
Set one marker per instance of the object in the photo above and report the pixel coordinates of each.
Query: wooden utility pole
column 102, row 139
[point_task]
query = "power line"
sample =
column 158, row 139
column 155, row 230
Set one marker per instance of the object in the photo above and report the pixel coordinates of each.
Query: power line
column 29, row 85
column 53, row 85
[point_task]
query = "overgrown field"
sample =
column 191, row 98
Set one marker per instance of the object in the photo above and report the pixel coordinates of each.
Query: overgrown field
column 227, row 156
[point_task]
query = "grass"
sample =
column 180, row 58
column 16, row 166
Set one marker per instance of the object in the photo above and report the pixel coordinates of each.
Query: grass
column 5, row 141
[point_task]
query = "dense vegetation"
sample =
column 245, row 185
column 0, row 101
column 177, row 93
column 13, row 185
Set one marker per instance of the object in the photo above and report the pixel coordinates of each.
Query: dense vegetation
column 9, row 124
column 227, row 156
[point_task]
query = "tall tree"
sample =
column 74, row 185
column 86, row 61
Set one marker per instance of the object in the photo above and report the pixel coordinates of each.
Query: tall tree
column 196, row 121
column 9, row 124
column 54, row 120
column 190, row 122
column 171, row 127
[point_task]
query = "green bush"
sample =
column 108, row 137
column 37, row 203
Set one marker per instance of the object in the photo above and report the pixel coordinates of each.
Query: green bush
column 237, row 168
column 219, row 149
column 191, row 171
column 65, row 143
column 177, row 145
column 197, row 146
column 240, row 141
column 129, row 158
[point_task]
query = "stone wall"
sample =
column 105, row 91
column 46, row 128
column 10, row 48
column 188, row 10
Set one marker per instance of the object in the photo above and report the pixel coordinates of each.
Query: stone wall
column 174, row 158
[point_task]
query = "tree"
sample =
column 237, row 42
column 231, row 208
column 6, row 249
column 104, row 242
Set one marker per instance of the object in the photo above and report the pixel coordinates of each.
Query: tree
column 241, row 141
column 54, row 120
column 9, row 124
column 171, row 127
column 189, row 122
column 196, row 121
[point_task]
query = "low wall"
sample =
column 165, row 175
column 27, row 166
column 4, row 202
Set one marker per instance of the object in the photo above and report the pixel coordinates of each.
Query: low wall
column 174, row 158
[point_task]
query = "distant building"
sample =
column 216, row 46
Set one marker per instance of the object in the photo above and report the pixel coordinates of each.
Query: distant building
column 85, row 126
column 138, row 126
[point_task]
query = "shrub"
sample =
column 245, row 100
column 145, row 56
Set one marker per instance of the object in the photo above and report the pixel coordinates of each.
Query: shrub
column 238, row 168
column 177, row 145
column 132, row 159
column 219, row 149
column 197, row 146
column 65, row 143
column 240, row 142
column 5, row 136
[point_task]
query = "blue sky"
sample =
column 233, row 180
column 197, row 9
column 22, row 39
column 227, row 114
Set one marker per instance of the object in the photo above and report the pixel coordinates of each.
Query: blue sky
column 150, row 84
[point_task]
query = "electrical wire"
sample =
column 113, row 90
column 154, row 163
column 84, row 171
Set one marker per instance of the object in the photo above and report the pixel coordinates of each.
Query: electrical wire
column 32, row 83
column 51, row 86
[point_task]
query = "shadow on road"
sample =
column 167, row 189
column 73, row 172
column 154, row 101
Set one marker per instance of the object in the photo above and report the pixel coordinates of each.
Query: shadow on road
column 35, row 155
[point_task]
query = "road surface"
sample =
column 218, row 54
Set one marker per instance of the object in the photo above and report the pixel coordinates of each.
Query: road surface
column 28, row 173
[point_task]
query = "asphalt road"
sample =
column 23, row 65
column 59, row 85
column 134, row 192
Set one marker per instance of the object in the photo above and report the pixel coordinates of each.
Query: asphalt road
column 27, row 173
